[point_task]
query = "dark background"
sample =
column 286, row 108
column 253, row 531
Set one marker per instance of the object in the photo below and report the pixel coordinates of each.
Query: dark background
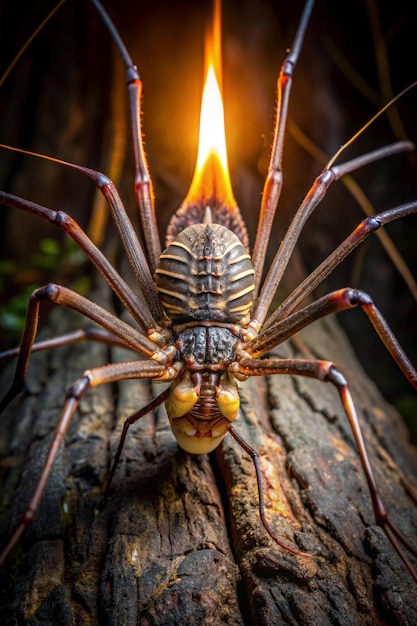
column 57, row 101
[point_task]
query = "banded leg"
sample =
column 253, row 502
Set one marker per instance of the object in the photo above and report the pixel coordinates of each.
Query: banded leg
column 361, row 232
column 128, row 237
column 138, row 308
column 90, row 378
column 65, row 297
column 334, row 303
column 326, row 371
column 314, row 196
column 274, row 181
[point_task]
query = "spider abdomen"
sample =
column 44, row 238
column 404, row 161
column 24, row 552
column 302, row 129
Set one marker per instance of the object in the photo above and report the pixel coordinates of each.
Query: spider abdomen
column 205, row 274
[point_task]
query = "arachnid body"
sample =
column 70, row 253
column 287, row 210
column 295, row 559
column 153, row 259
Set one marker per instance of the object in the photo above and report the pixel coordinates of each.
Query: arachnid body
column 204, row 383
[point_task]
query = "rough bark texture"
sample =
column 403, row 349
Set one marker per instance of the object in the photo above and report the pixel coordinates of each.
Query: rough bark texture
column 179, row 541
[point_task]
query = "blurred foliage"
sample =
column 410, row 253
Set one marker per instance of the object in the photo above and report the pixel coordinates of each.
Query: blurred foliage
column 53, row 261
column 406, row 404
column 12, row 314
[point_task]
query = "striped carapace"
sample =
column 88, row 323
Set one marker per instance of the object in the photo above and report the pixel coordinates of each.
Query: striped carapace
column 205, row 274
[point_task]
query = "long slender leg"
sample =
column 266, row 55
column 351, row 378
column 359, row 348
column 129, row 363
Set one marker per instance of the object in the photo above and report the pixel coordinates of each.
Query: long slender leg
column 132, row 419
column 137, row 307
column 131, row 244
column 76, row 336
column 90, row 378
column 334, row 303
column 365, row 228
column 310, row 202
column 326, row 371
column 66, row 297
column 274, row 180
column 255, row 459
column 143, row 185
column 128, row 237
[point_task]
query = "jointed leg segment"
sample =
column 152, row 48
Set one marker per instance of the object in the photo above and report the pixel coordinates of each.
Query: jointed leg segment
column 361, row 232
column 137, row 307
column 326, row 371
column 90, row 378
column 66, row 297
column 310, row 202
column 274, row 180
column 143, row 184
column 334, row 303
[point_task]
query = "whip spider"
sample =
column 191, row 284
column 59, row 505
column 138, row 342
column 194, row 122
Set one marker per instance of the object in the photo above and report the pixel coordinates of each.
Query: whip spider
column 201, row 310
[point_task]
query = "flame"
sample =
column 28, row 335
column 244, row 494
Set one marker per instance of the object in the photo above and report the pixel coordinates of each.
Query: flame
column 211, row 178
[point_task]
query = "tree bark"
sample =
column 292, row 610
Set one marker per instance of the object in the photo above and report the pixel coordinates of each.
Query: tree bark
column 179, row 539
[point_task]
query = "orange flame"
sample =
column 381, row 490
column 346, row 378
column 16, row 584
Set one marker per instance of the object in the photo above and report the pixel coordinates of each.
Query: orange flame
column 211, row 178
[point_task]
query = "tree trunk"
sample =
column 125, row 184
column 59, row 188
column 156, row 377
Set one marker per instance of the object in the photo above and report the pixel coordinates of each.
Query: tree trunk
column 179, row 539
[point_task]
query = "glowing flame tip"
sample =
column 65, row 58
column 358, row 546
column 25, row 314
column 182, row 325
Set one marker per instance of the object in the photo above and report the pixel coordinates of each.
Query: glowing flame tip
column 211, row 177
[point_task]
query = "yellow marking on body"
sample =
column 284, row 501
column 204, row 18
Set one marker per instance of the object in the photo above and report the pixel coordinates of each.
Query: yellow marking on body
column 243, row 308
column 173, row 257
column 241, row 293
column 242, row 257
column 177, row 295
column 231, row 246
column 227, row 397
column 184, row 394
column 182, row 277
column 242, row 275
column 183, row 246
column 171, row 308
column 194, row 445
